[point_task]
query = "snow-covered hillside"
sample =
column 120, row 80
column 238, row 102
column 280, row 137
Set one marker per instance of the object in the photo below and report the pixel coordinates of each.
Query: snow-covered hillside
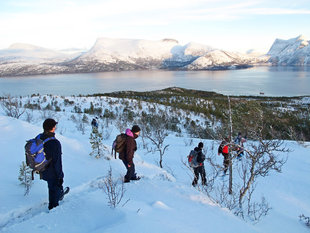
column 295, row 52
column 162, row 201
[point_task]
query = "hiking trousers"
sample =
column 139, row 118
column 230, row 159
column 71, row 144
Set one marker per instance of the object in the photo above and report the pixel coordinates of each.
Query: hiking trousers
column 131, row 172
column 202, row 172
column 54, row 193
column 225, row 162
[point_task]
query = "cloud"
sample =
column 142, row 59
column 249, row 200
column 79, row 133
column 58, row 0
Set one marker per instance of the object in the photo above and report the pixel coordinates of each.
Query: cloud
column 61, row 22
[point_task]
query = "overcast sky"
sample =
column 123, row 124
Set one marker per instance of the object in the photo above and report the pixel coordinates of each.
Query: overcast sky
column 234, row 25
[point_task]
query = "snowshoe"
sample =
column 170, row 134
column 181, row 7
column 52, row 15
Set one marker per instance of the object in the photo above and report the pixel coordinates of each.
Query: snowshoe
column 65, row 191
column 136, row 178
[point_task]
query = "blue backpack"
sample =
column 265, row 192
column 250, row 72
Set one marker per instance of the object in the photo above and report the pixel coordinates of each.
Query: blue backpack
column 35, row 155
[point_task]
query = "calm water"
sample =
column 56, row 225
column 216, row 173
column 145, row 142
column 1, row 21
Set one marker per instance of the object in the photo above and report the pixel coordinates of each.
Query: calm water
column 272, row 81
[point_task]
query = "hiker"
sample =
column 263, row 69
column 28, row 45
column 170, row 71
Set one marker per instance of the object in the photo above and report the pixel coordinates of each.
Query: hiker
column 200, row 169
column 94, row 123
column 53, row 173
column 239, row 142
column 224, row 150
column 128, row 153
column 238, row 139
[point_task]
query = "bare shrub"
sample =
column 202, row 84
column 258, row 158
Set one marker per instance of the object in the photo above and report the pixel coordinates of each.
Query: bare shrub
column 305, row 219
column 113, row 188
column 12, row 107
column 155, row 129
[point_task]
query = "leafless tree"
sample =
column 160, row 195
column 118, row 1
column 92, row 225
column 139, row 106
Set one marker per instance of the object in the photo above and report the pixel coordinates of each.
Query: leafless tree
column 12, row 107
column 154, row 129
column 262, row 156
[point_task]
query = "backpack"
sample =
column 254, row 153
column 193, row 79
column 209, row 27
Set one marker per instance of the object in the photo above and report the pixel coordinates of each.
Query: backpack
column 223, row 148
column 119, row 144
column 192, row 159
column 35, row 155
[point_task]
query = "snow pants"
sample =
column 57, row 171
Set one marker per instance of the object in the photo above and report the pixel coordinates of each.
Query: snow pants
column 226, row 162
column 202, row 172
column 131, row 172
column 55, row 191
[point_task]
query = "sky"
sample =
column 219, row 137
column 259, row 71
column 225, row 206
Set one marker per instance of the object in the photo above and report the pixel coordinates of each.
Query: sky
column 234, row 25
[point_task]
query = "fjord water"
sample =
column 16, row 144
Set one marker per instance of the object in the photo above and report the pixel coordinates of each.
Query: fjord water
column 270, row 81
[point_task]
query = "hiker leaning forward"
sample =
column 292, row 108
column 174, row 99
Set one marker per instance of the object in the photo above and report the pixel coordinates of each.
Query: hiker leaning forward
column 128, row 153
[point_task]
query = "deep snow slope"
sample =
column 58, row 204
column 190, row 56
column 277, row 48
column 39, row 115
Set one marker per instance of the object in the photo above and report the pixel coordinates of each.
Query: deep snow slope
column 158, row 202
column 162, row 201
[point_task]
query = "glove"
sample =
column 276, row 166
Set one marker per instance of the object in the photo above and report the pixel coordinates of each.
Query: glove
column 60, row 182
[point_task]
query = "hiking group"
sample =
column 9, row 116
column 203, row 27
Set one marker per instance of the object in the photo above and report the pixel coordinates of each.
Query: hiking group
column 226, row 147
column 44, row 156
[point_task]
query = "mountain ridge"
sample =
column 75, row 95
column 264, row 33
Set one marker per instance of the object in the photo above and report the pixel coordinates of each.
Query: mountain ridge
column 108, row 54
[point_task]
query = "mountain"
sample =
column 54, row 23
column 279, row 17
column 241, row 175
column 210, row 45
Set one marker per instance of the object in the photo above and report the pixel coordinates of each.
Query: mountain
column 133, row 54
column 120, row 54
column 129, row 54
column 30, row 53
column 126, row 54
column 292, row 52
column 219, row 59
column 25, row 59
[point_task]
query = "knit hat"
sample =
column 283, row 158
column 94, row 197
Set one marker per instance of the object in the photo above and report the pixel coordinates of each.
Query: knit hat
column 135, row 129
column 49, row 124
column 200, row 145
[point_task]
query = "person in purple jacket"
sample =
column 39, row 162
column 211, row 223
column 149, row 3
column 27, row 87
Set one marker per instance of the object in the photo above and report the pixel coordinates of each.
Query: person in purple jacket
column 127, row 154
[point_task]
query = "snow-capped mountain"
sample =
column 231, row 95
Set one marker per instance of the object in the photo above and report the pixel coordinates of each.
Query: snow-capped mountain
column 127, row 54
column 30, row 53
column 132, row 54
column 219, row 59
column 294, row 52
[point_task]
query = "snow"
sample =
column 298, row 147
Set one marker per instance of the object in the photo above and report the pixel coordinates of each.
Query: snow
column 126, row 49
column 223, row 58
column 162, row 201
column 115, row 54
column 295, row 51
column 22, row 53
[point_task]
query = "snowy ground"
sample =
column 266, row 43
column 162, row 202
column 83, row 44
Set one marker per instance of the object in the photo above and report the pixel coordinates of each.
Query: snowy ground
column 162, row 201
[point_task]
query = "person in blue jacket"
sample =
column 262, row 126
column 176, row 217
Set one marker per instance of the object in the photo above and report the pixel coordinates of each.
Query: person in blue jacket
column 53, row 173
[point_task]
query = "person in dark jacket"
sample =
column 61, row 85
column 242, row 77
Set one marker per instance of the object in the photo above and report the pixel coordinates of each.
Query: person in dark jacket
column 200, row 170
column 127, row 154
column 53, row 173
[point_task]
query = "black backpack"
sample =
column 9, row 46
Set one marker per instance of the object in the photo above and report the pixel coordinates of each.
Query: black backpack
column 119, row 144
